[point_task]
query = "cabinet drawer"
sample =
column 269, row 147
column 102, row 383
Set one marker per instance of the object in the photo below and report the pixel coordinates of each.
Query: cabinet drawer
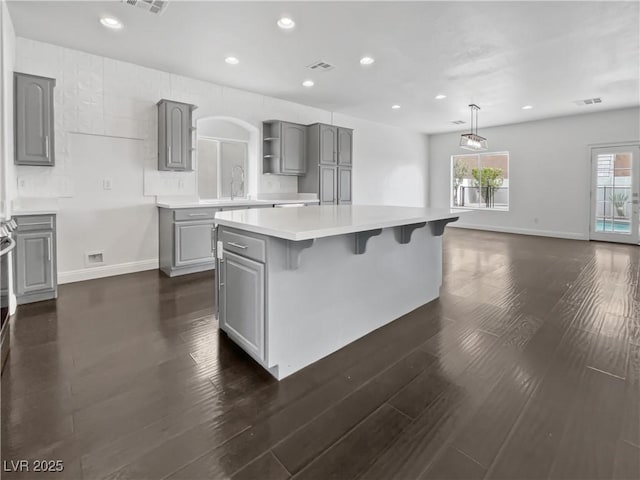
column 30, row 223
column 250, row 247
column 195, row 214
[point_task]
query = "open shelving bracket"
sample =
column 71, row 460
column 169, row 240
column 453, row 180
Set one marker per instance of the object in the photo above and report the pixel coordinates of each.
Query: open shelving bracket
column 363, row 237
column 294, row 252
column 437, row 226
column 403, row 232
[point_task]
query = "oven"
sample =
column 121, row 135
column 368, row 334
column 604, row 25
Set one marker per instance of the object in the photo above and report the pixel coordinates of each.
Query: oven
column 7, row 244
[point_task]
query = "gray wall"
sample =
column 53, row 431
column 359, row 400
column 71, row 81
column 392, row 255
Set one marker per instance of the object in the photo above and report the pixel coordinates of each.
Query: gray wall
column 550, row 174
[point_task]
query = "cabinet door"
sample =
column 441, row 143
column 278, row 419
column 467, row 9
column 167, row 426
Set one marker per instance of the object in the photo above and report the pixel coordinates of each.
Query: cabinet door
column 34, row 262
column 193, row 243
column 328, row 185
column 178, row 136
column 243, row 302
column 33, row 118
column 328, row 144
column 293, row 148
column 344, row 185
column 345, row 147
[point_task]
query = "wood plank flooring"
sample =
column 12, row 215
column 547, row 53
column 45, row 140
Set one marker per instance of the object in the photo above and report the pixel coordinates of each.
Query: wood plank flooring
column 527, row 367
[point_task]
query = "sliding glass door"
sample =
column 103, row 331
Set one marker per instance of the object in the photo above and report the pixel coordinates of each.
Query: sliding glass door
column 615, row 194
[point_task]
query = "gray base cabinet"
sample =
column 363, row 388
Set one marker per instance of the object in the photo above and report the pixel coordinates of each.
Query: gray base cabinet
column 33, row 120
column 175, row 135
column 242, row 296
column 35, row 258
column 187, row 240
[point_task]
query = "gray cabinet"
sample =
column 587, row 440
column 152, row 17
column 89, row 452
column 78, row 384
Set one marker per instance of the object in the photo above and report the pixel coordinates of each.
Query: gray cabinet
column 194, row 243
column 344, row 185
column 242, row 296
column 329, row 157
column 35, row 258
column 328, row 144
column 284, row 148
column 328, row 185
column 33, row 120
column 187, row 240
column 345, row 148
column 175, row 132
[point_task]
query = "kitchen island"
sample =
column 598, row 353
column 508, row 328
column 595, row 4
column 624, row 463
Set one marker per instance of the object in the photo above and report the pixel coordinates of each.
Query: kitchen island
column 297, row 284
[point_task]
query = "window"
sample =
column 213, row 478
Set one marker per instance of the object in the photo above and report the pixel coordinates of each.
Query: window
column 480, row 181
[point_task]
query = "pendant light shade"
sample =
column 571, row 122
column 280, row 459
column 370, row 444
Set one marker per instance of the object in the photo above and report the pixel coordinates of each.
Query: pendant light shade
column 472, row 141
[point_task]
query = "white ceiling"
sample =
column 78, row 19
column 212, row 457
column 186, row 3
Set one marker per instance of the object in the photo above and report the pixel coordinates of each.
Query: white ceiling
column 500, row 55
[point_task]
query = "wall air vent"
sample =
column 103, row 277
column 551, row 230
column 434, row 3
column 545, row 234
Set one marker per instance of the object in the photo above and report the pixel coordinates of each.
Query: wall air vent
column 321, row 66
column 458, row 122
column 588, row 101
column 153, row 6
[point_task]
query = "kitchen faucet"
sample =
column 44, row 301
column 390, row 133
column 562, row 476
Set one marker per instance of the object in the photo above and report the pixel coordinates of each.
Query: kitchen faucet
column 233, row 171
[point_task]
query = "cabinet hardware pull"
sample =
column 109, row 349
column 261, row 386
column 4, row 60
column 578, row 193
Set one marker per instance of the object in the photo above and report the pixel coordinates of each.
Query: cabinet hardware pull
column 46, row 143
column 168, row 154
column 237, row 245
column 198, row 214
column 222, row 284
column 48, row 249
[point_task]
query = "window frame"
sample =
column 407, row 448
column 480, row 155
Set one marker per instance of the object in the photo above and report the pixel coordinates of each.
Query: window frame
column 478, row 155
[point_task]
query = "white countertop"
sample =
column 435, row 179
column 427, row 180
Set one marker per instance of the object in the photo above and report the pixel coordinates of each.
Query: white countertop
column 319, row 221
column 240, row 202
column 34, row 206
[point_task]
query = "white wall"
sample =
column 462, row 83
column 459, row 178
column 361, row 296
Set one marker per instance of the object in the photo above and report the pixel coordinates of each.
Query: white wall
column 7, row 59
column 390, row 165
column 549, row 171
column 108, row 107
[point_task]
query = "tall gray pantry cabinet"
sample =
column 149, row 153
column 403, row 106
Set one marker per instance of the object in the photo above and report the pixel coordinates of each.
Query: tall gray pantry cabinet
column 329, row 164
column 33, row 120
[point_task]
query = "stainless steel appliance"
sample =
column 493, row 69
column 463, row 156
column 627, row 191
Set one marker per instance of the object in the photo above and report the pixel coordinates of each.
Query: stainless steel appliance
column 7, row 244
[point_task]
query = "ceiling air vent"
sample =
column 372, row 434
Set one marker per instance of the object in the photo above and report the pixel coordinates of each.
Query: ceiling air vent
column 321, row 66
column 588, row 101
column 153, row 6
column 458, row 122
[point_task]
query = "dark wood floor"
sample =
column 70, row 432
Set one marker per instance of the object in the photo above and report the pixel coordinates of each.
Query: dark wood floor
column 528, row 366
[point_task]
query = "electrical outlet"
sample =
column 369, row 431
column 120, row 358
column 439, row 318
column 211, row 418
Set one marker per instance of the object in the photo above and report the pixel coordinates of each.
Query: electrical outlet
column 106, row 184
column 22, row 183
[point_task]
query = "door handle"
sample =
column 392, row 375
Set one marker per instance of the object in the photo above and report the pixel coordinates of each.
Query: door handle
column 237, row 245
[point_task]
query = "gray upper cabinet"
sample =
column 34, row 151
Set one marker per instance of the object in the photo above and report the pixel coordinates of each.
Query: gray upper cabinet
column 344, row 185
column 33, row 120
column 284, row 148
column 328, row 144
column 175, row 135
column 293, row 148
column 242, row 291
column 345, row 147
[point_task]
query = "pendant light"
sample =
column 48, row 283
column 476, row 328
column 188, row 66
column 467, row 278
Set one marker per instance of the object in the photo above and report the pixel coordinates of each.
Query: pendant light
column 472, row 141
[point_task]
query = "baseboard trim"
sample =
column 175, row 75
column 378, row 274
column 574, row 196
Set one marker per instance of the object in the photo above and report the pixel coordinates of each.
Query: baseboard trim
column 523, row 231
column 106, row 271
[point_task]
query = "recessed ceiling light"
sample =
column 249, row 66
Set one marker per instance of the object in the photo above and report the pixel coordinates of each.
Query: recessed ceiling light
column 527, row 107
column 440, row 97
column 286, row 23
column 308, row 83
column 232, row 60
column 366, row 61
column 111, row 22
column 395, row 107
